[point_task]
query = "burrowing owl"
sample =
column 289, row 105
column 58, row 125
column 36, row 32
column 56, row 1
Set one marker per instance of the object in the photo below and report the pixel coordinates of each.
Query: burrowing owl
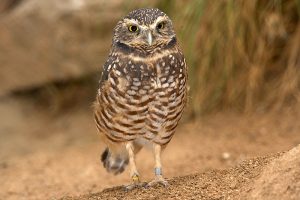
column 142, row 91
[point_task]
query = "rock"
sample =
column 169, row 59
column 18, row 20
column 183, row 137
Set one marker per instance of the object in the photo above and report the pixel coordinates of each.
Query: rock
column 53, row 40
column 226, row 155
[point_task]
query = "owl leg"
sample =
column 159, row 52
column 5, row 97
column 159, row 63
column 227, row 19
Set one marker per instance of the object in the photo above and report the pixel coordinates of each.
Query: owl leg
column 135, row 177
column 158, row 167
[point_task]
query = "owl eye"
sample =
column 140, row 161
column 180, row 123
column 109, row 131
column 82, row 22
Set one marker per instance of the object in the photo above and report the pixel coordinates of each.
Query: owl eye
column 133, row 28
column 160, row 25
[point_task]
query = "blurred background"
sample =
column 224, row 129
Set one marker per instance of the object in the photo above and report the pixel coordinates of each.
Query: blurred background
column 244, row 76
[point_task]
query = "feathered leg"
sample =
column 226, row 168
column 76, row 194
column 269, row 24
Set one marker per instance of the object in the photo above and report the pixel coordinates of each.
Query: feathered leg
column 135, row 177
column 157, row 149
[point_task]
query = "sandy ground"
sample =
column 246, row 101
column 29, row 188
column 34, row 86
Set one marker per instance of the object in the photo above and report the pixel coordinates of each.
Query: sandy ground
column 50, row 156
column 264, row 178
column 226, row 184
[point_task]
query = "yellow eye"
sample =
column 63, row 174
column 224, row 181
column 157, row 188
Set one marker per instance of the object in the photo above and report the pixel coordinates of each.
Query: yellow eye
column 133, row 28
column 160, row 25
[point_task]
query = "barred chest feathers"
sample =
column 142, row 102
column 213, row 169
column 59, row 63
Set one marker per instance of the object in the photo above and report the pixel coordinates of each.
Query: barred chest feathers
column 143, row 97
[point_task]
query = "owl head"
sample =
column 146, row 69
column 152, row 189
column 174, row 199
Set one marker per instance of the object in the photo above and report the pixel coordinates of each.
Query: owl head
column 144, row 28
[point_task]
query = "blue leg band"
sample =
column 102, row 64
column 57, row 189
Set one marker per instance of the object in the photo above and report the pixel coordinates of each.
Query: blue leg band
column 157, row 171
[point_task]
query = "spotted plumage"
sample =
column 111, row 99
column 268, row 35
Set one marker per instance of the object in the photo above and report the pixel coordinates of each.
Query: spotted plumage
column 142, row 90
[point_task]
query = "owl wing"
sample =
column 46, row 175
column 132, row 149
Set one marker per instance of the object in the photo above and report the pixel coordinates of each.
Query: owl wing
column 106, row 70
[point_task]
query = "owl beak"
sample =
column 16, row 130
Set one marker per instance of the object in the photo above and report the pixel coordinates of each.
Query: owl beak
column 149, row 38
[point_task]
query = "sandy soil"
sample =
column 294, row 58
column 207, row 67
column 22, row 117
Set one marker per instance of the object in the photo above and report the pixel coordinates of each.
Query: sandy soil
column 50, row 156
column 222, row 184
column 278, row 179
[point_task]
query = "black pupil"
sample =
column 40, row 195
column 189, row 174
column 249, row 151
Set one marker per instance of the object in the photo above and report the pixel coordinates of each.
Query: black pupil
column 159, row 26
column 133, row 28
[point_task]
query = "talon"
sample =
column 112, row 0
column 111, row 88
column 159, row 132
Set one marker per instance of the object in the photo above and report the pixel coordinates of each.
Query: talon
column 158, row 181
column 129, row 187
column 135, row 185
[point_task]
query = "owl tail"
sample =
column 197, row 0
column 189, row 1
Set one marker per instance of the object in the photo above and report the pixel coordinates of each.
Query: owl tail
column 114, row 162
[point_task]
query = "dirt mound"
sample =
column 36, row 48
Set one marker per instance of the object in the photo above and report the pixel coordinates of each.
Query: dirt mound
column 272, row 177
column 216, row 184
column 280, row 179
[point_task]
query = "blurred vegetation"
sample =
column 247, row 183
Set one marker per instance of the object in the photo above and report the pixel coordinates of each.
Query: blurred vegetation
column 242, row 55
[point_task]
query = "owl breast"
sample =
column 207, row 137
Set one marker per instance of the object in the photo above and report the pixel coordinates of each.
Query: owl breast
column 143, row 98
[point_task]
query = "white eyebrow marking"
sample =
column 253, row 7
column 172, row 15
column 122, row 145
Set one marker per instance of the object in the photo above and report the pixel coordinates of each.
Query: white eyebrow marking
column 135, row 22
column 159, row 19
column 152, row 26
column 131, row 21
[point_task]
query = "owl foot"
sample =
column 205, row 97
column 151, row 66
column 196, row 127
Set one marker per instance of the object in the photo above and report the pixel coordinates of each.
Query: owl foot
column 136, row 183
column 159, row 180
